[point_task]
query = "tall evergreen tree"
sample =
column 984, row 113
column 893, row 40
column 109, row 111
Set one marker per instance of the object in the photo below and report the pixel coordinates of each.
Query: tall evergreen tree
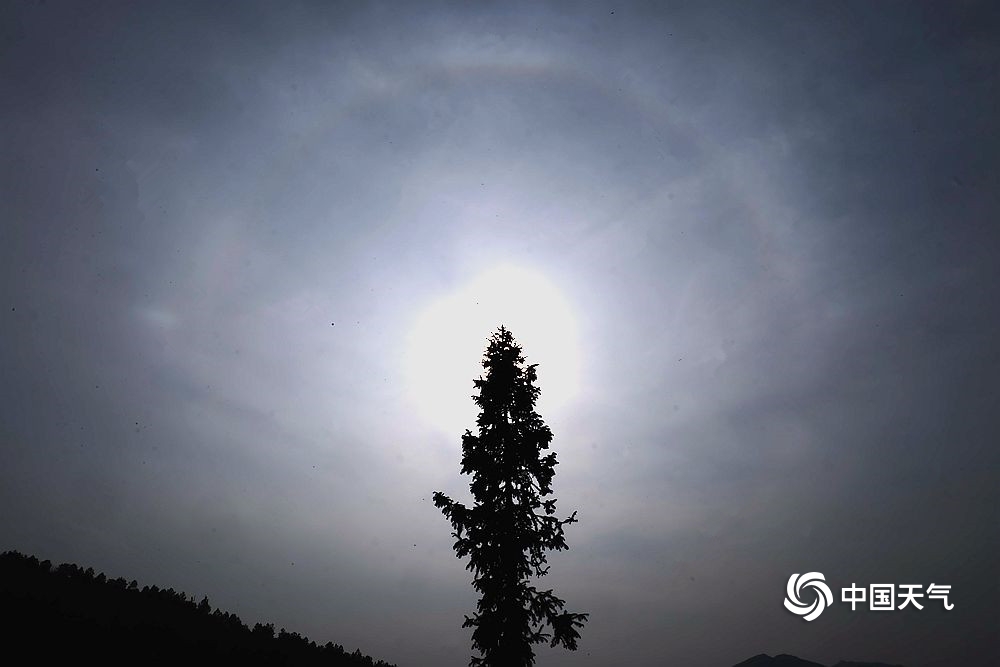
column 507, row 531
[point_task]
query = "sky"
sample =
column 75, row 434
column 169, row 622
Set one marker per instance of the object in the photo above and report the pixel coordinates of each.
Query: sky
column 251, row 254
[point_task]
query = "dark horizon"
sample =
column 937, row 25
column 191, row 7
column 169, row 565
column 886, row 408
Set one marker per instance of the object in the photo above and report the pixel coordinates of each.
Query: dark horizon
column 69, row 612
column 251, row 253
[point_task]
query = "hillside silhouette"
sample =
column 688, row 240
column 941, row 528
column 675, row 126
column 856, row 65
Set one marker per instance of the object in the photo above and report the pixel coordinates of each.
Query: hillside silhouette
column 785, row 660
column 782, row 660
column 66, row 613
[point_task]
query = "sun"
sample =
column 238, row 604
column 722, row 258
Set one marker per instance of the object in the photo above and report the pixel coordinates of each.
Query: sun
column 446, row 343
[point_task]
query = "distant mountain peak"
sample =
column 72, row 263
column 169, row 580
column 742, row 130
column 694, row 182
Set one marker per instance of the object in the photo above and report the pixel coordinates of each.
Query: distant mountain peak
column 782, row 660
column 785, row 660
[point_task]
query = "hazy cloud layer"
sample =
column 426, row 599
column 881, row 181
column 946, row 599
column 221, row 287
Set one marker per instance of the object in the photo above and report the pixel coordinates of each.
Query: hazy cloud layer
column 775, row 224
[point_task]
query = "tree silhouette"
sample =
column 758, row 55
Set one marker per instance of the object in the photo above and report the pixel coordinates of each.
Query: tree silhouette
column 510, row 527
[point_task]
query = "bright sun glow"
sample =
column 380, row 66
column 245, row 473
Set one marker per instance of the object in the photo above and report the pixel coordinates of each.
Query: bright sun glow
column 447, row 342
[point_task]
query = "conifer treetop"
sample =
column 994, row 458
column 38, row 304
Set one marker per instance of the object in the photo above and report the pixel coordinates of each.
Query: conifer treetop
column 511, row 525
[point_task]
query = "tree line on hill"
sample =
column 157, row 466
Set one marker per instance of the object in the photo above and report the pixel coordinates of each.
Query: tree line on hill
column 70, row 613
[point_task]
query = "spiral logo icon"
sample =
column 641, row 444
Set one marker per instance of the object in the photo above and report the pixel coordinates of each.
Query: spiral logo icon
column 793, row 601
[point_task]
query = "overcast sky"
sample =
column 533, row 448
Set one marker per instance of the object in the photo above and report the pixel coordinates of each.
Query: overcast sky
column 250, row 255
